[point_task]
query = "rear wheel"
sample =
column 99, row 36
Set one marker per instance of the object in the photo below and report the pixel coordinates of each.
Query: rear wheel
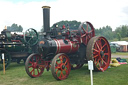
column 60, row 66
column 98, row 50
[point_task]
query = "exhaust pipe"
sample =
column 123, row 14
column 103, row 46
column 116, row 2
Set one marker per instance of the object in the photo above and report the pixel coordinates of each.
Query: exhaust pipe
column 46, row 20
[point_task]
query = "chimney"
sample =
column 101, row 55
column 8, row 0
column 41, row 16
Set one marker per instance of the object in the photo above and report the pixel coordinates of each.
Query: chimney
column 46, row 19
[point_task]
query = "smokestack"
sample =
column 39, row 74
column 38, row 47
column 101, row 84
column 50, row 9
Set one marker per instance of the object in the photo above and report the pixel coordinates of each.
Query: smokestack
column 46, row 19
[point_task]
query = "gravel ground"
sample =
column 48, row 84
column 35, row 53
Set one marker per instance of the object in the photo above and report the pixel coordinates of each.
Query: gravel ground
column 121, row 56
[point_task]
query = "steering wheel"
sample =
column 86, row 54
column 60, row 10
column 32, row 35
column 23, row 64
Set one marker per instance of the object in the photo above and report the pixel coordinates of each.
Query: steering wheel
column 31, row 36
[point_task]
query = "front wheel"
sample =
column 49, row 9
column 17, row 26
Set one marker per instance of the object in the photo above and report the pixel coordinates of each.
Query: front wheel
column 34, row 65
column 60, row 66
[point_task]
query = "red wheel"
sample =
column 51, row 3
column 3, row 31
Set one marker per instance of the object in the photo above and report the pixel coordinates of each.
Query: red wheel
column 86, row 31
column 98, row 50
column 76, row 66
column 60, row 66
column 34, row 65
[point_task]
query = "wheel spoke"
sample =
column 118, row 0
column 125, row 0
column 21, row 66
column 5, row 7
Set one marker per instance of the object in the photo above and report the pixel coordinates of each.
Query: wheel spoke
column 84, row 30
column 57, row 67
column 104, row 45
column 106, row 54
column 95, row 56
column 89, row 37
column 95, row 50
column 99, row 65
column 90, row 32
column 104, row 61
column 32, row 70
column 57, row 63
column 62, row 74
column 87, row 27
column 38, row 70
column 57, row 71
column 100, row 44
column 30, row 67
column 65, row 71
column 29, row 40
column 97, row 46
column 61, row 59
column 97, row 62
column 84, row 35
column 65, row 62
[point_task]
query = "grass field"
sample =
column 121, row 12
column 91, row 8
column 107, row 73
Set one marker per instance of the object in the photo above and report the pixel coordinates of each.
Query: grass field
column 16, row 75
column 120, row 53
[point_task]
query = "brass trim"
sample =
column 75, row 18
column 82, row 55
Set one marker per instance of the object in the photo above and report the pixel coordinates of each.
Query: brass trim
column 46, row 7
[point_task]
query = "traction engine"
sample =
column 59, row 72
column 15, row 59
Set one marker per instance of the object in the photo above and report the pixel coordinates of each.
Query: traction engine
column 16, row 46
column 62, row 49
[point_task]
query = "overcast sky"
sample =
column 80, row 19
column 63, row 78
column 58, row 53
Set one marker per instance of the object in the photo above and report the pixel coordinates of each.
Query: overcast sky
column 28, row 13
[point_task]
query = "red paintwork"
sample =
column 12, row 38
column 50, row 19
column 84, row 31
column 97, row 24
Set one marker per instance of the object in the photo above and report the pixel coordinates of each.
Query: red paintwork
column 15, row 40
column 62, row 47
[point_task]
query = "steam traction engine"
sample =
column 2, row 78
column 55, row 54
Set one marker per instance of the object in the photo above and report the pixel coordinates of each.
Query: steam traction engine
column 16, row 45
column 62, row 50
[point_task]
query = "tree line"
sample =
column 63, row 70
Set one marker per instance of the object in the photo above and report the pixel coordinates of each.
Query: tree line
column 106, row 31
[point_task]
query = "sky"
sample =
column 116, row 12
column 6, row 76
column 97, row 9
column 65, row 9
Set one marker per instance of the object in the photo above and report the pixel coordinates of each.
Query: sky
column 28, row 13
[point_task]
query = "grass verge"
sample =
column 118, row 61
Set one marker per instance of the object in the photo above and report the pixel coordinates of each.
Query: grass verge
column 120, row 53
column 16, row 75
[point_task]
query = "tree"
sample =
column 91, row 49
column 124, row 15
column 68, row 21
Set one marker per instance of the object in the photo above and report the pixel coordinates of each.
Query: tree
column 123, row 30
column 15, row 28
column 20, row 28
column 118, row 36
column 73, row 25
column 105, row 31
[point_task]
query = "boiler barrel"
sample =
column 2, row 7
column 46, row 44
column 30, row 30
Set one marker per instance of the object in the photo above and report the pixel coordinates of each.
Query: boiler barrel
column 57, row 46
column 66, row 46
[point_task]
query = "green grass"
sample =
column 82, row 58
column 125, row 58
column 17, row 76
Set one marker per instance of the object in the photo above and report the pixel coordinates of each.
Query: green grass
column 122, row 39
column 120, row 53
column 16, row 75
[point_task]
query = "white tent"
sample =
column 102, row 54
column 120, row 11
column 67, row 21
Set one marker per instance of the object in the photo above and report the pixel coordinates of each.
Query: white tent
column 121, row 42
column 123, row 45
